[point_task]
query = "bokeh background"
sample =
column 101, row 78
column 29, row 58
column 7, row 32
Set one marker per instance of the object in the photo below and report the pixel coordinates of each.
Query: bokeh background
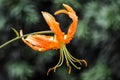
column 97, row 40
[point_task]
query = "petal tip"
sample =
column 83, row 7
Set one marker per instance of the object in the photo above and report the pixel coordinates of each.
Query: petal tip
column 64, row 4
column 43, row 12
column 69, row 8
column 21, row 32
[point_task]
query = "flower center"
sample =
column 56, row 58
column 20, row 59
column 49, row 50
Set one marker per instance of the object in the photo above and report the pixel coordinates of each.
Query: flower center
column 64, row 53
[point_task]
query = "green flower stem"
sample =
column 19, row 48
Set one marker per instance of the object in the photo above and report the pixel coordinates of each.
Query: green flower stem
column 19, row 37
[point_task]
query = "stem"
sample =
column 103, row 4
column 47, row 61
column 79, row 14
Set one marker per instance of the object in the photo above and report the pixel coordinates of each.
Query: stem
column 19, row 37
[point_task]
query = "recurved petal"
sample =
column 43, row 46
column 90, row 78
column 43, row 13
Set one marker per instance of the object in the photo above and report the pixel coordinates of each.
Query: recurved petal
column 69, row 9
column 27, row 43
column 61, row 11
column 40, row 42
column 53, row 24
column 72, row 28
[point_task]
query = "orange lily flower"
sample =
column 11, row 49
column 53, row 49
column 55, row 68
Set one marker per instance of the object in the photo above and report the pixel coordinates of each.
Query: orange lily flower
column 41, row 42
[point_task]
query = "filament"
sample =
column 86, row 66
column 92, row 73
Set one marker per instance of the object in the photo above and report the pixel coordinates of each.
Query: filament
column 60, row 62
column 64, row 53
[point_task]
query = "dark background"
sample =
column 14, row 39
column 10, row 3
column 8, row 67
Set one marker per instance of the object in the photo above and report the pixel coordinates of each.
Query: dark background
column 97, row 40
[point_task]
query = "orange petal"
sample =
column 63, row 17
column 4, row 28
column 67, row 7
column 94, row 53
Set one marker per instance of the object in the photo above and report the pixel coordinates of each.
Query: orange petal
column 61, row 11
column 30, row 45
column 69, row 8
column 72, row 29
column 54, row 25
column 40, row 42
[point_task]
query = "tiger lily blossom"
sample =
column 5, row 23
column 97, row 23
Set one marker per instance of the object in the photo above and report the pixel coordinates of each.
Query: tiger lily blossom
column 42, row 42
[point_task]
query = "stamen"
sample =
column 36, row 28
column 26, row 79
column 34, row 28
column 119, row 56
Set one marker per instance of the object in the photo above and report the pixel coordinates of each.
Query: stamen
column 69, row 70
column 69, row 58
column 67, row 55
column 60, row 62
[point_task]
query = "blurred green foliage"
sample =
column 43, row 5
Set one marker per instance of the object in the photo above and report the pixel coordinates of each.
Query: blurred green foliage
column 82, row 30
column 74, row 3
column 2, row 21
column 98, row 72
column 23, row 11
column 43, row 59
column 106, row 16
column 64, row 75
column 19, row 70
